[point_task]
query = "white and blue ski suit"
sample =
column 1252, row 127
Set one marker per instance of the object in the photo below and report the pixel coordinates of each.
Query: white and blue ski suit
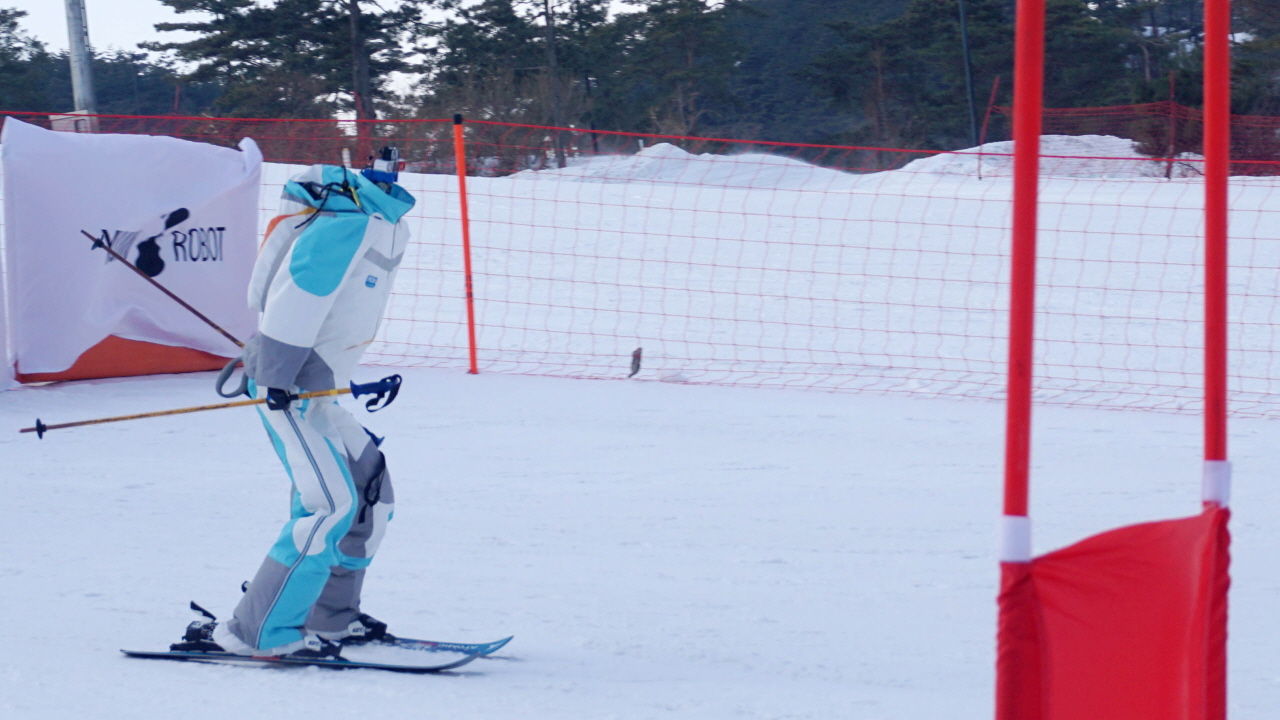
column 321, row 284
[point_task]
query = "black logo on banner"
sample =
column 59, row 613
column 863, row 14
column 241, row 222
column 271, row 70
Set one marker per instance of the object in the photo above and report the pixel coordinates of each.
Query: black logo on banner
column 191, row 244
column 149, row 260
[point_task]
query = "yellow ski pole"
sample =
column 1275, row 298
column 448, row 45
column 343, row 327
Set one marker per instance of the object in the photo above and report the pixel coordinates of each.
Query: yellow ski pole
column 40, row 428
column 390, row 384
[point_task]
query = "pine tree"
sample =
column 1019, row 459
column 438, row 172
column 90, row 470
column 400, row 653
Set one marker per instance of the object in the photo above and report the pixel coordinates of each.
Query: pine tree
column 482, row 63
column 904, row 79
column 907, row 73
column 1256, row 87
column 677, row 57
column 294, row 58
column 127, row 83
column 24, row 66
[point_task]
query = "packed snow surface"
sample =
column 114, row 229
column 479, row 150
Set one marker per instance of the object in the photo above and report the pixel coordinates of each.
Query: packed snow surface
column 658, row 550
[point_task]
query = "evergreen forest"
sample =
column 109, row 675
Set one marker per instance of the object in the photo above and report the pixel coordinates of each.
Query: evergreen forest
column 887, row 73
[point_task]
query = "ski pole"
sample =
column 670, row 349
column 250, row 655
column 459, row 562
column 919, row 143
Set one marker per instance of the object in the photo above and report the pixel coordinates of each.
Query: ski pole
column 388, row 387
column 97, row 243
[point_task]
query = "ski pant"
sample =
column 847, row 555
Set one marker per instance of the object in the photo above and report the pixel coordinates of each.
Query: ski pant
column 342, row 500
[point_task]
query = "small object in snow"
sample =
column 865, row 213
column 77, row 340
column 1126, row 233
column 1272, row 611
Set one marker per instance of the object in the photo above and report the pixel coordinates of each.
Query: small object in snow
column 635, row 362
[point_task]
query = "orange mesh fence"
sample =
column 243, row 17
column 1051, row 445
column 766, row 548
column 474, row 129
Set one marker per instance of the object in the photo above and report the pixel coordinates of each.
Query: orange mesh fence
column 294, row 142
column 770, row 265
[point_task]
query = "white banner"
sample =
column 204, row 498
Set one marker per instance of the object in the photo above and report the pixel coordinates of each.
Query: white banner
column 6, row 370
column 184, row 213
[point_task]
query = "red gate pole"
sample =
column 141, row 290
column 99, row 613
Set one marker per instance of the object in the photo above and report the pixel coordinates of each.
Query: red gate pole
column 1217, row 154
column 1018, row 671
column 460, row 162
column 1027, row 109
column 1216, row 487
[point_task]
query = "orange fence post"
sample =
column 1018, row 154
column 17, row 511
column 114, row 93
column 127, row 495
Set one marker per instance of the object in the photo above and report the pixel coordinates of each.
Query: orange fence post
column 460, row 161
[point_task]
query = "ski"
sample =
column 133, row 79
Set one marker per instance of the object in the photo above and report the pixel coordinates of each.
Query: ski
column 481, row 649
column 415, row 644
column 354, row 662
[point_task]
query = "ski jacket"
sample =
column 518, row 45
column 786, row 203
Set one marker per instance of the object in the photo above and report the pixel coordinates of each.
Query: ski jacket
column 323, row 276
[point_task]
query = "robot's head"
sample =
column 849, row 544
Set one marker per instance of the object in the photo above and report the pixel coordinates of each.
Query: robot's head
column 385, row 168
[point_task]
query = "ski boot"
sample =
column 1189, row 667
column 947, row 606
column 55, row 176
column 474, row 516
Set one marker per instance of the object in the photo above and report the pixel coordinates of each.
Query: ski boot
column 364, row 629
column 317, row 648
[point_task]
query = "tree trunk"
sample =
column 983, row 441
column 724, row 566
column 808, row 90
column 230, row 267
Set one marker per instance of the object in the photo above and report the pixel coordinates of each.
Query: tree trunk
column 553, row 85
column 361, row 89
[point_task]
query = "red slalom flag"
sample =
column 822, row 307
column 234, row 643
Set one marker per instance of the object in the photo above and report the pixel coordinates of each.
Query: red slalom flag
column 1130, row 624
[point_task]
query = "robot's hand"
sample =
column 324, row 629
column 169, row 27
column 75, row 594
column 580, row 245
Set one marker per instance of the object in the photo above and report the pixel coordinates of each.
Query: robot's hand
column 278, row 399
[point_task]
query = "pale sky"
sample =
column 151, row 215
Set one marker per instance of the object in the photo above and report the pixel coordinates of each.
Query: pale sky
column 113, row 24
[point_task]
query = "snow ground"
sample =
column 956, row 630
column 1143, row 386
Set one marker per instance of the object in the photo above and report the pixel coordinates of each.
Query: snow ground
column 658, row 550
column 669, row 550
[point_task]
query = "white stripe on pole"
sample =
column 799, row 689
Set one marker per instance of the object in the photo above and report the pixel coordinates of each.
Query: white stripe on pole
column 1015, row 538
column 1216, row 485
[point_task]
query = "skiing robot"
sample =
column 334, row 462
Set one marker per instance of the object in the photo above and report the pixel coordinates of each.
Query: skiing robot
column 320, row 286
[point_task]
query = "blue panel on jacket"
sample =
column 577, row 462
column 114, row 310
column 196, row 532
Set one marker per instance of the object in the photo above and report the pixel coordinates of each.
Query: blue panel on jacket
column 324, row 251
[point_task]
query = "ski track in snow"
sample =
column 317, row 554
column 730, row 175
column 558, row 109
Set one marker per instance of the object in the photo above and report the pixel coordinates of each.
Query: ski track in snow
column 658, row 550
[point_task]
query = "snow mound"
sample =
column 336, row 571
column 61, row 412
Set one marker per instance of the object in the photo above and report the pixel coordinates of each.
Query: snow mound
column 666, row 163
column 1081, row 156
column 1070, row 156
